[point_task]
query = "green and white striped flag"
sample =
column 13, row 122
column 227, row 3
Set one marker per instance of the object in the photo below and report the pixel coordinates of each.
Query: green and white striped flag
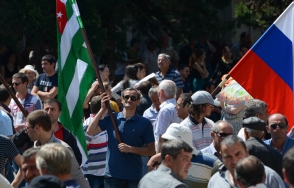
column 75, row 69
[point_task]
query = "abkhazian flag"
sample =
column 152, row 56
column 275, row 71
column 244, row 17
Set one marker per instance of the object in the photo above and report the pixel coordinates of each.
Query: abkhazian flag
column 266, row 71
column 75, row 69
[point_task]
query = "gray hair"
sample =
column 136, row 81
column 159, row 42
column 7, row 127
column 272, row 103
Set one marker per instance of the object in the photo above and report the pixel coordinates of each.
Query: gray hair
column 231, row 140
column 153, row 91
column 253, row 107
column 214, row 128
column 169, row 88
column 166, row 56
column 255, row 133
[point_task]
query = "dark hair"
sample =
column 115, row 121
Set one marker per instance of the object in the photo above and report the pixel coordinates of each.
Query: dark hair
column 249, row 171
column 101, row 67
column 207, row 84
column 174, row 147
column 195, row 109
column 41, row 118
column 243, row 35
column 196, row 54
column 288, row 165
column 182, row 66
column 95, row 104
column 253, row 107
column 48, row 101
column 30, row 152
column 4, row 94
column 131, row 73
column 243, row 46
column 186, row 97
column 231, row 140
column 22, row 76
column 144, row 87
column 131, row 89
column 49, row 58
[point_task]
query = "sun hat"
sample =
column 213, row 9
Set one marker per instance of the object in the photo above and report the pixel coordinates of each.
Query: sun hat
column 30, row 68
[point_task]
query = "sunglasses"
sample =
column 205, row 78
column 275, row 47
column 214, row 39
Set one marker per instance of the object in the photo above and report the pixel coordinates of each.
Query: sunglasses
column 133, row 98
column 223, row 135
column 281, row 125
column 16, row 83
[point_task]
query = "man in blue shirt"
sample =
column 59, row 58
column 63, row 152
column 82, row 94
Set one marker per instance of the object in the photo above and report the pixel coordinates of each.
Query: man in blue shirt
column 123, row 160
column 278, row 127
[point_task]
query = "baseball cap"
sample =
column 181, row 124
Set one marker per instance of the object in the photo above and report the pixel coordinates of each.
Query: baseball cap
column 181, row 132
column 254, row 123
column 46, row 181
column 202, row 97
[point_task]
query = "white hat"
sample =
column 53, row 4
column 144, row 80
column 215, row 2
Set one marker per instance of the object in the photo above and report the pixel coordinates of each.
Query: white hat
column 202, row 97
column 178, row 131
column 30, row 68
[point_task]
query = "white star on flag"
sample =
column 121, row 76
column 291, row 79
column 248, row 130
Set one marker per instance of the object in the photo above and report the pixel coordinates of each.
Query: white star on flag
column 59, row 15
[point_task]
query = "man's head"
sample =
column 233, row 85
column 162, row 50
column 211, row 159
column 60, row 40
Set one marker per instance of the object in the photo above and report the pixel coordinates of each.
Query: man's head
column 184, row 70
column 167, row 89
column 176, row 155
column 202, row 103
column 144, row 87
column 4, row 95
column 220, row 130
column 256, row 107
column 288, row 167
column 38, row 123
column 208, row 86
column 95, row 104
column 182, row 109
column 131, row 98
column 19, row 82
column 153, row 95
column 163, row 62
column 278, row 126
column 51, row 156
column 254, row 127
column 48, row 64
column 249, row 172
column 28, row 164
column 232, row 149
column 53, row 108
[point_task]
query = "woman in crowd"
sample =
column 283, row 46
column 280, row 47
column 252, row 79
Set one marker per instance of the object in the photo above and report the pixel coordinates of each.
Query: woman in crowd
column 198, row 69
column 9, row 67
column 32, row 75
column 104, row 72
column 224, row 66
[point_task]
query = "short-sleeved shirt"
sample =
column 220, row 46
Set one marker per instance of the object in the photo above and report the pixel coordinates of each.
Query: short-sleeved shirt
column 7, row 151
column 30, row 103
column 46, row 83
column 151, row 114
column 5, row 124
column 200, row 131
column 289, row 143
column 135, row 131
column 172, row 75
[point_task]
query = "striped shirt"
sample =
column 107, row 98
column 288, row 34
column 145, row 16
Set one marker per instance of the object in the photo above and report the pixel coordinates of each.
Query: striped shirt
column 201, row 132
column 97, row 148
column 204, row 165
column 30, row 103
column 172, row 75
column 119, row 88
column 7, row 151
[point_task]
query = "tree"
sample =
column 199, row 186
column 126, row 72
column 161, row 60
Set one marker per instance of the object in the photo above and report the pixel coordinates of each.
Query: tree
column 260, row 14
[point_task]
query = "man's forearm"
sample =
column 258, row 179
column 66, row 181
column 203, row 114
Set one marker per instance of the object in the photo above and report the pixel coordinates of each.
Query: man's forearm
column 94, row 128
column 45, row 95
column 18, row 179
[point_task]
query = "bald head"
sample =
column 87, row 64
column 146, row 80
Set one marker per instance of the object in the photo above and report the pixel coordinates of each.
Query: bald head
column 219, row 131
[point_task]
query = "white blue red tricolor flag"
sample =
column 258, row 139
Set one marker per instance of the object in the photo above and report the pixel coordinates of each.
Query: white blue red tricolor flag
column 266, row 71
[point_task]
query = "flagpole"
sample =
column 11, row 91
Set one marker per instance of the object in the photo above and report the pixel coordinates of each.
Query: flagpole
column 101, row 84
column 13, row 96
column 219, row 87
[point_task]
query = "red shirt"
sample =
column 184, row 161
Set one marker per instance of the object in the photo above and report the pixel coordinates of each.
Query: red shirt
column 59, row 133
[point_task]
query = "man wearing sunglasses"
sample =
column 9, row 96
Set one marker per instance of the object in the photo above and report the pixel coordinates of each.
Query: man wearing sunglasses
column 278, row 127
column 219, row 131
column 123, row 161
column 254, row 132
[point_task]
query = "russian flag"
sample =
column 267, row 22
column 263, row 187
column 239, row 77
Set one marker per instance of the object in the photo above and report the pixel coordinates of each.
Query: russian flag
column 266, row 71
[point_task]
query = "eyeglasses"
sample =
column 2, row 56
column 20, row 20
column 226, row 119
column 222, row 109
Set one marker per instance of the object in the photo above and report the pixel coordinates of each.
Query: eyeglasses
column 133, row 98
column 16, row 83
column 223, row 135
column 281, row 125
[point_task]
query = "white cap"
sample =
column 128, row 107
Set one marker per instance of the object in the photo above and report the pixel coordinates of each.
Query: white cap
column 202, row 97
column 30, row 68
column 182, row 132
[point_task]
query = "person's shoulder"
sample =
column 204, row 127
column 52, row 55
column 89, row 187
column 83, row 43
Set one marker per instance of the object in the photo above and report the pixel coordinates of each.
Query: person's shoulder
column 209, row 121
column 43, row 75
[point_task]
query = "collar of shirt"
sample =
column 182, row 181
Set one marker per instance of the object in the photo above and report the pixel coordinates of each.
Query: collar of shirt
column 196, row 122
column 268, row 142
column 224, row 173
column 172, row 100
column 51, row 140
column 212, row 148
column 121, row 116
column 260, row 185
column 168, row 170
column 153, row 109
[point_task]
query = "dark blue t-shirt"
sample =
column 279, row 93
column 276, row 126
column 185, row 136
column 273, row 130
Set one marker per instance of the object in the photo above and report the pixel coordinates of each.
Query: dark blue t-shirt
column 136, row 132
column 45, row 83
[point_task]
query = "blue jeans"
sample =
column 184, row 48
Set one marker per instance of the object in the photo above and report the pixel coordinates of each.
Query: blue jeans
column 110, row 182
column 95, row 181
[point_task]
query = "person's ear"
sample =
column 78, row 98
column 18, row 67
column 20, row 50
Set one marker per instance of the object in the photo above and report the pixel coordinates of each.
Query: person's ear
column 168, row 160
column 212, row 134
column 286, row 179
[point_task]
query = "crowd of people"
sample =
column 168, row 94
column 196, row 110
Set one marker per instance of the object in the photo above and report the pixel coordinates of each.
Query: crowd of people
column 164, row 129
